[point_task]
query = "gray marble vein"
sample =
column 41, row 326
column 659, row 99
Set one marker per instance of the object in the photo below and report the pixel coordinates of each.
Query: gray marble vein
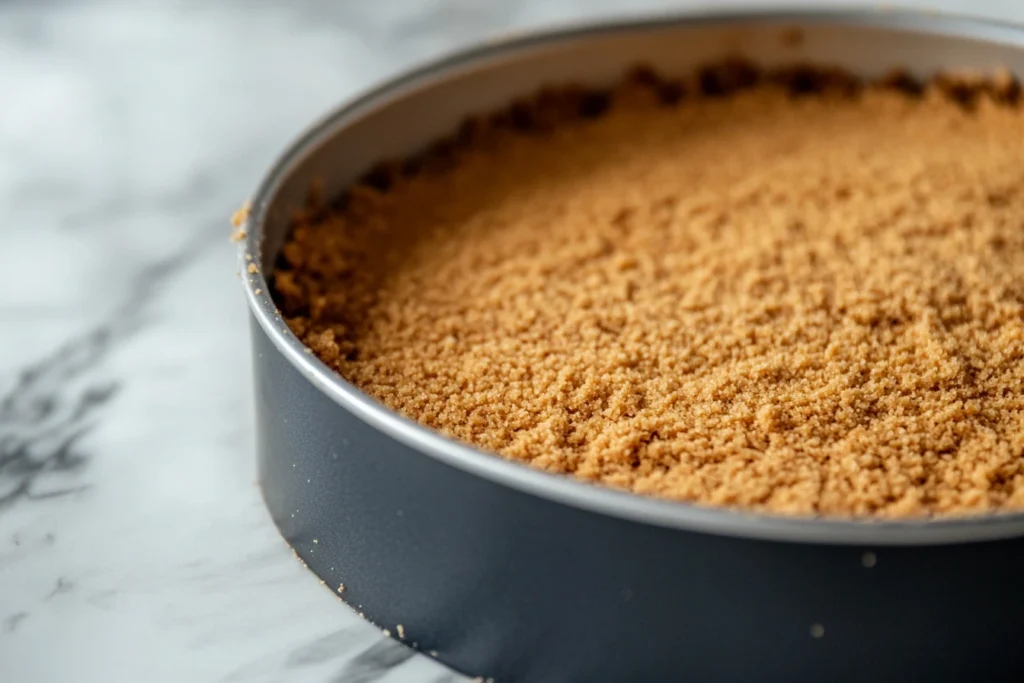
column 130, row 530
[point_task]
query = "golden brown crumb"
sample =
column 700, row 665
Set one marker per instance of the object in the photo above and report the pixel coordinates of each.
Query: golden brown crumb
column 299, row 558
column 238, row 219
column 253, row 268
column 792, row 36
column 341, row 588
column 787, row 292
column 401, row 631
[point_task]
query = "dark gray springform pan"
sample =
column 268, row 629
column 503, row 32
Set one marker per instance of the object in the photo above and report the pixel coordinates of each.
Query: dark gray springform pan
column 505, row 572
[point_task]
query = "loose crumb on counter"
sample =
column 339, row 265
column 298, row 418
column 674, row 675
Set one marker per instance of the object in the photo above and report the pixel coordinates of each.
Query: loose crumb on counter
column 791, row 292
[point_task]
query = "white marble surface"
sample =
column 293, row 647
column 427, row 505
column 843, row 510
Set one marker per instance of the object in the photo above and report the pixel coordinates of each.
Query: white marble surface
column 133, row 544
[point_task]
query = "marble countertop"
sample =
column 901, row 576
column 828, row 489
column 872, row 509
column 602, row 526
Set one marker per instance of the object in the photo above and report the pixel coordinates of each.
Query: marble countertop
column 133, row 543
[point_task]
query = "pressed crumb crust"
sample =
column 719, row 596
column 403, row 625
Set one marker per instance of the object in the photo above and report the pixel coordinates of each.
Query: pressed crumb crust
column 789, row 292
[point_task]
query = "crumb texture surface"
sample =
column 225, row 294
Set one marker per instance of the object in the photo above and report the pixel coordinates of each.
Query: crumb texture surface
column 729, row 291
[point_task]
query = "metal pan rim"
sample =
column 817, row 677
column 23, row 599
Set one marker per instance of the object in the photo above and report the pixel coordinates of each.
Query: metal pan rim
column 566, row 490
